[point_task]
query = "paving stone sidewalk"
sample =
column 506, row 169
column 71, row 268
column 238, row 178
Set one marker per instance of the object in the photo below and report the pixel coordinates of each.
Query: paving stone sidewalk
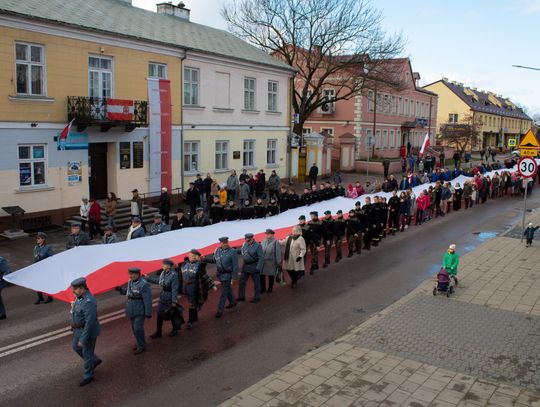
column 481, row 347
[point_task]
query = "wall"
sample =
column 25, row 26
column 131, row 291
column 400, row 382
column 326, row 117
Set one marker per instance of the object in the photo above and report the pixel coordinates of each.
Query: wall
column 449, row 102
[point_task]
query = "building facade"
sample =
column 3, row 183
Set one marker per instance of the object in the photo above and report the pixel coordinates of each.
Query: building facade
column 381, row 120
column 498, row 118
column 130, row 93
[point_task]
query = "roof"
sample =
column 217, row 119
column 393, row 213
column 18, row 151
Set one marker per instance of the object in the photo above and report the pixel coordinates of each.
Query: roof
column 120, row 18
column 481, row 101
column 407, row 61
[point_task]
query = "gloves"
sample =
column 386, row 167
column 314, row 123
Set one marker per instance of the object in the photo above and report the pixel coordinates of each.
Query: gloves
column 298, row 258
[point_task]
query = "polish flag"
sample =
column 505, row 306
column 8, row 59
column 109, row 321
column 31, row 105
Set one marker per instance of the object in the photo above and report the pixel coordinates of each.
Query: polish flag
column 64, row 133
column 425, row 145
column 120, row 110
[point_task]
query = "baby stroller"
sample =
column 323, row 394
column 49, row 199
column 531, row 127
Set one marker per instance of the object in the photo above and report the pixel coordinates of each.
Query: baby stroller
column 444, row 283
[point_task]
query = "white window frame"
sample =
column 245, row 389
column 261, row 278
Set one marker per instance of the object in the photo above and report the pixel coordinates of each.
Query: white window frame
column 248, row 153
column 412, row 114
column 387, row 104
column 406, row 107
column 154, row 70
column 394, row 105
column 250, row 93
column 392, row 139
column 192, row 154
column 189, row 96
column 379, row 103
column 307, row 130
column 400, row 106
column 329, row 130
column 453, row 118
column 418, row 112
column 222, row 150
column 32, row 161
column 384, row 142
column 101, row 72
column 398, row 138
column 371, row 101
column 29, row 65
column 369, row 133
column 377, row 138
column 273, row 95
column 271, row 151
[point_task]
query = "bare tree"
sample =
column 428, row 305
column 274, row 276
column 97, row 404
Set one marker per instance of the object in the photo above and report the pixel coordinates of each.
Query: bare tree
column 462, row 136
column 331, row 43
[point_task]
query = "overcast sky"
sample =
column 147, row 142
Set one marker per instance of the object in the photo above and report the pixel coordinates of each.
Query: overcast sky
column 471, row 41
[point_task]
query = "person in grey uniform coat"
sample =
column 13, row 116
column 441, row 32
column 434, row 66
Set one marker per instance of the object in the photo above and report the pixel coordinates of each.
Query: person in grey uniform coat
column 4, row 271
column 138, row 306
column 168, row 307
column 252, row 254
column 108, row 236
column 77, row 238
column 226, row 260
column 158, row 226
column 41, row 251
column 272, row 260
column 86, row 329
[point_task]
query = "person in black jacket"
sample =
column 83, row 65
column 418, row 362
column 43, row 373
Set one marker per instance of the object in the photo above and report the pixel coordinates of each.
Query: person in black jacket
column 353, row 233
column 247, row 211
column 306, row 234
column 200, row 218
column 316, row 234
column 283, row 200
column 339, row 233
column 393, row 204
column 294, row 199
column 313, row 172
column 305, row 199
column 180, row 221
column 378, row 217
column 192, row 198
column 216, row 211
column 328, row 236
column 165, row 205
column 392, row 182
column 384, row 215
column 315, row 195
column 231, row 212
column 371, row 214
column 260, row 209
column 272, row 208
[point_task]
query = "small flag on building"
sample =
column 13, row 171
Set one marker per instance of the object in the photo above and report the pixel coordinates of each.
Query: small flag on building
column 425, row 145
column 64, row 133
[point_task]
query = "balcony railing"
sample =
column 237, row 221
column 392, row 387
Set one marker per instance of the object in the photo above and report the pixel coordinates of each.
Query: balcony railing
column 107, row 113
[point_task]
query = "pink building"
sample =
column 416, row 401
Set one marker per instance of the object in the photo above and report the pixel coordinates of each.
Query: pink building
column 383, row 122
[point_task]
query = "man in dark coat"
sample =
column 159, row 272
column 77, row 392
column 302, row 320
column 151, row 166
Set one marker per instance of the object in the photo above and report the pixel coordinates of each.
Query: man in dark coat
column 180, row 221
column 165, row 205
column 77, row 238
column 216, row 211
column 313, row 172
column 316, row 235
column 192, row 198
column 41, row 251
column 328, row 236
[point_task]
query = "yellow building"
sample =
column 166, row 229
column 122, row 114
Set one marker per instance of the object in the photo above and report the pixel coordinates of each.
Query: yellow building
column 108, row 68
column 499, row 119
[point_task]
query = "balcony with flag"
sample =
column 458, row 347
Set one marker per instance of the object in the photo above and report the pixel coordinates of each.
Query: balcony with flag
column 107, row 112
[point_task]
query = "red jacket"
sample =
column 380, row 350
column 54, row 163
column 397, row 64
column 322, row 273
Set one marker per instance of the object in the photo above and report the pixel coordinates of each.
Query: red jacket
column 95, row 212
column 422, row 202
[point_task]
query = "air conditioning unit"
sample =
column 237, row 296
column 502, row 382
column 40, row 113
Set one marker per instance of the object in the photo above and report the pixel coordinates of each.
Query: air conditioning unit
column 327, row 108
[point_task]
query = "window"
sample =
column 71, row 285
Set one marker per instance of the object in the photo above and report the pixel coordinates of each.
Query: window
column 394, row 105
column 370, row 101
column 369, row 136
column 452, row 118
column 100, row 77
column 328, row 130
column 191, row 156
column 249, row 153
column 379, row 103
column 411, row 111
column 377, row 139
column 30, row 68
column 392, row 141
column 138, row 154
column 418, row 112
column 384, row 142
column 306, row 130
column 329, row 96
column 249, row 94
column 32, row 165
column 222, row 155
column 406, row 107
column 271, row 149
column 156, row 70
column 398, row 138
column 272, row 96
column 386, row 103
column 489, row 121
column 400, row 105
column 191, row 86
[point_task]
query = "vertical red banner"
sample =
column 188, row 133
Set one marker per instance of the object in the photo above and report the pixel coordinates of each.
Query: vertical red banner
column 166, row 133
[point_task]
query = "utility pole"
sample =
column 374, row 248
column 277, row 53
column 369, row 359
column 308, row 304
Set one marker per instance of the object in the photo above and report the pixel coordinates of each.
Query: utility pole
column 526, row 67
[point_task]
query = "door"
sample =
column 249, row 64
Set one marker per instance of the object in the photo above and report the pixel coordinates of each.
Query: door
column 97, row 170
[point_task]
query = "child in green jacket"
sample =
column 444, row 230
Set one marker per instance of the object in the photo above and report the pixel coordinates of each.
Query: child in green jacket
column 451, row 261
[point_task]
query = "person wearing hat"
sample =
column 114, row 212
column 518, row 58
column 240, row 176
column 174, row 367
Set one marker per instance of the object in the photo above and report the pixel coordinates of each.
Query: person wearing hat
column 108, row 235
column 252, row 255
column 136, row 230
column 180, row 221
column 283, row 199
column 394, row 205
column 371, row 215
column 192, row 198
column 294, row 255
column 451, row 261
column 200, row 219
column 4, row 271
column 247, row 211
column 231, row 212
column 353, row 231
column 195, row 284
column 315, row 194
column 216, row 211
column 316, row 234
column 168, row 298
column 272, row 260
column 294, row 199
column 306, row 234
column 85, row 326
column 339, row 233
column 272, row 208
column 273, row 184
column 226, row 260
column 138, row 306
column 41, row 251
column 136, row 204
column 305, row 198
column 165, row 205
column 158, row 226
column 260, row 209
column 328, row 234
column 77, row 237
column 365, row 230
column 529, row 234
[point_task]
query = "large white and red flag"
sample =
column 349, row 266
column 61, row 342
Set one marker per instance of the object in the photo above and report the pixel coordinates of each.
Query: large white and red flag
column 425, row 145
column 120, row 110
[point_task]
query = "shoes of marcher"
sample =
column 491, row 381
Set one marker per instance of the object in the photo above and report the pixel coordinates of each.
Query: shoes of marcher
column 173, row 333
column 3, row 317
column 190, row 325
column 97, row 363
column 138, row 351
column 38, row 302
column 350, row 255
column 293, row 285
column 241, row 299
column 325, row 265
column 86, row 381
column 255, row 300
column 231, row 305
column 219, row 314
column 48, row 300
column 156, row 335
column 269, row 291
column 135, row 348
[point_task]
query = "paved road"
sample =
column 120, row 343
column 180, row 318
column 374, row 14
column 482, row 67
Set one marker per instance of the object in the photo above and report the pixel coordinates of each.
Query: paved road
column 221, row 357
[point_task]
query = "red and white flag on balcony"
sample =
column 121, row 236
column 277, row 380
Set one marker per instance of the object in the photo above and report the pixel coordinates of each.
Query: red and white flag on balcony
column 425, row 145
column 120, row 110
column 64, row 133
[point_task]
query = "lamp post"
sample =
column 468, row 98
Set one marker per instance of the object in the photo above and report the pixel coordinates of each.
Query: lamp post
column 526, row 67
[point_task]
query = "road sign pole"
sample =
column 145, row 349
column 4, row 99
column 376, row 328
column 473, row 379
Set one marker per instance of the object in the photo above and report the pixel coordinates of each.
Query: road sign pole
column 524, row 211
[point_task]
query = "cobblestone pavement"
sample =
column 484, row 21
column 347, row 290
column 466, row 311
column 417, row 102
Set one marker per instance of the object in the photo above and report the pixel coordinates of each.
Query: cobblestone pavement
column 480, row 347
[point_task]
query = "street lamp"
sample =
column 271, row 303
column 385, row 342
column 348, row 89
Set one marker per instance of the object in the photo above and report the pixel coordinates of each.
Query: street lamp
column 526, row 67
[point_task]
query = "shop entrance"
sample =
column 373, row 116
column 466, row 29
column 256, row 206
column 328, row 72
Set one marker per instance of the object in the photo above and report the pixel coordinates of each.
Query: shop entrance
column 97, row 170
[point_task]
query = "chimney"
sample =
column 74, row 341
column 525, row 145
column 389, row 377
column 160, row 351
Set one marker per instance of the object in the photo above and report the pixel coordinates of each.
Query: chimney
column 445, row 79
column 169, row 9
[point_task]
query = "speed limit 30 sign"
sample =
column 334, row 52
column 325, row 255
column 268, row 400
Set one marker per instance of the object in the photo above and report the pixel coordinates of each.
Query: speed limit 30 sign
column 527, row 167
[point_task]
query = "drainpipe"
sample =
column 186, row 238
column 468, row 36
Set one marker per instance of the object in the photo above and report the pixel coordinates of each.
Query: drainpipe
column 182, row 123
column 429, row 118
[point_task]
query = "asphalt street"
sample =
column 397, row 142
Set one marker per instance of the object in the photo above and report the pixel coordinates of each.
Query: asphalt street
column 219, row 358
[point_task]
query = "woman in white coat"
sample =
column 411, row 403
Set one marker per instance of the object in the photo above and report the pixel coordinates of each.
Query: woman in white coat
column 294, row 252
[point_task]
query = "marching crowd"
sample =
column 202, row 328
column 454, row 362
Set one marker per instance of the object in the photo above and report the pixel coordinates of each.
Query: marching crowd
column 365, row 225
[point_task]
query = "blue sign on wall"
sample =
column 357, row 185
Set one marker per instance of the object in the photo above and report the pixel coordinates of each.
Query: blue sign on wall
column 74, row 141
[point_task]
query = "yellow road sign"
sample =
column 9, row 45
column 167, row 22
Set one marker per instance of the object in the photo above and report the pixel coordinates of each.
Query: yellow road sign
column 529, row 141
column 528, row 152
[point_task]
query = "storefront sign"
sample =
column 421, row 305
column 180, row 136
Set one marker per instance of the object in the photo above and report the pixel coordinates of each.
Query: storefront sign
column 74, row 141
column 74, row 172
column 138, row 154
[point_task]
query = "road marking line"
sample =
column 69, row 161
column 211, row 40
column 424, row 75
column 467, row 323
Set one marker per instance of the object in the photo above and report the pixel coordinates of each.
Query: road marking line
column 59, row 333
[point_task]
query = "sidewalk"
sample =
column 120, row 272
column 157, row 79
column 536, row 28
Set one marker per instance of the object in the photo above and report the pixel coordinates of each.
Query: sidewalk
column 480, row 347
